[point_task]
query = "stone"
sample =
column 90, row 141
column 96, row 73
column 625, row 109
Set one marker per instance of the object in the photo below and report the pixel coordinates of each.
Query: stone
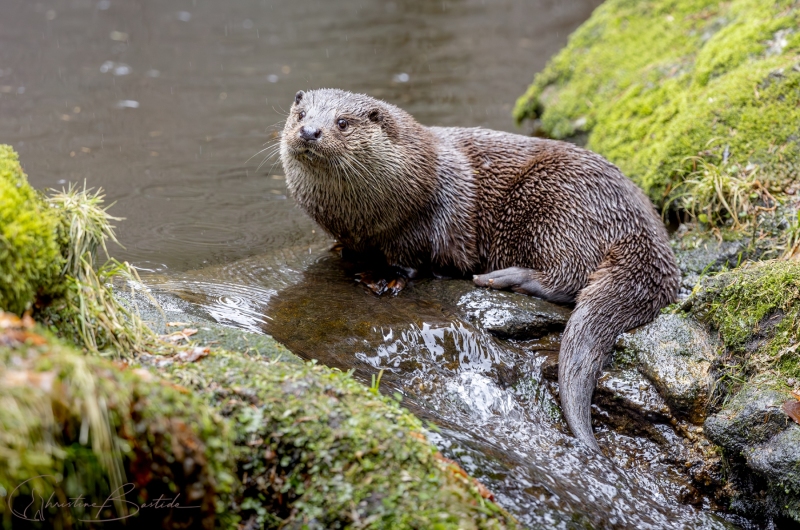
column 674, row 352
column 750, row 418
column 761, row 446
column 512, row 316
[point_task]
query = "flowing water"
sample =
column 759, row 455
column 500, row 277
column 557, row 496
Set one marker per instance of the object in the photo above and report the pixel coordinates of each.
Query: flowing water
column 164, row 104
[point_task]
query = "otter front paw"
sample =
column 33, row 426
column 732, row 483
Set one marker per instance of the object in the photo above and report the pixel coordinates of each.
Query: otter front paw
column 380, row 286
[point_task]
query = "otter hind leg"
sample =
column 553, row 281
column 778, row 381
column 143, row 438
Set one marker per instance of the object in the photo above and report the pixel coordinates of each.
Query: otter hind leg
column 521, row 280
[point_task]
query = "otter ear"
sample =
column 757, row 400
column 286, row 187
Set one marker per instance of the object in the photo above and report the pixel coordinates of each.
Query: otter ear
column 299, row 97
column 375, row 116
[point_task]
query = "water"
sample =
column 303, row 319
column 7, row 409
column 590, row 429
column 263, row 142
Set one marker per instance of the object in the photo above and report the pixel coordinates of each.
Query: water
column 163, row 104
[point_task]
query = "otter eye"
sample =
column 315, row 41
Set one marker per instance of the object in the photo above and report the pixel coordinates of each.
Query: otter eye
column 301, row 115
column 342, row 124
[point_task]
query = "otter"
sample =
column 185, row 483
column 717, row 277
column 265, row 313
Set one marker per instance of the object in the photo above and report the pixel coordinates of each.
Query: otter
column 536, row 216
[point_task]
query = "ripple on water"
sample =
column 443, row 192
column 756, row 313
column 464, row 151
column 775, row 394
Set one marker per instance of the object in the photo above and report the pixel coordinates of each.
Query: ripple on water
column 498, row 415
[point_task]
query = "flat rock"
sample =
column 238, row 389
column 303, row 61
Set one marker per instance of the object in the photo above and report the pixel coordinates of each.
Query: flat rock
column 675, row 353
column 511, row 315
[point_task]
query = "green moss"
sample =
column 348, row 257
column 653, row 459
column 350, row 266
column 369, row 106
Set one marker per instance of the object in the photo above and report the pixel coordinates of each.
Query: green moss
column 332, row 453
column 86, row 427
column 30, row 260
column 756, row 309
column 280, row 444
column 658, row 81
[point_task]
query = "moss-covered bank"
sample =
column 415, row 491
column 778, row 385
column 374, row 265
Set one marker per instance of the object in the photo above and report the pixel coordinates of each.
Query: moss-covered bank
column 656, row 82
column 76, row 426
column 30, row 257
column 249, row 438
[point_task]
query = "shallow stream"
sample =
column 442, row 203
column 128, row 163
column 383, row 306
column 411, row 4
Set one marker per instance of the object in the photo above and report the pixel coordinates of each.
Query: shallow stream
column 164, row 104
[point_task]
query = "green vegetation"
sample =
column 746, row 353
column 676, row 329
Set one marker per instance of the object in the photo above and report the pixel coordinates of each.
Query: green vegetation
column 660, row 84
column 86, row 426
column 242, row 437
column 331, row 452
column 30, row 258
column 277, row 444
column 48, row 265
column 756, row 309
column 85, row 310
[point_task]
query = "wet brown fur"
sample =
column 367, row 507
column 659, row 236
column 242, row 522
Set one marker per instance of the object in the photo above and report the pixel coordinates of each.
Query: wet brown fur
column 552, row 219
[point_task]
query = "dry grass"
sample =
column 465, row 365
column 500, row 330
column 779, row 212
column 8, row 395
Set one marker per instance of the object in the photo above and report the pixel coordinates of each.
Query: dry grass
column 88, row 313
column 719, row 195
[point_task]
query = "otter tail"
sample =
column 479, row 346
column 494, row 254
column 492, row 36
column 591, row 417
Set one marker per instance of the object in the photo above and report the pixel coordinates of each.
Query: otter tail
column 626, row 291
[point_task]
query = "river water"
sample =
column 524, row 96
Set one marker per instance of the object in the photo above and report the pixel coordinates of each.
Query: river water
column 165, row 103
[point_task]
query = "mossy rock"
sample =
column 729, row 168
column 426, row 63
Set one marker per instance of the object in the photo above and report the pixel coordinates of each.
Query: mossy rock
column 761, row 448
column 78, row 426
column 248, row 438
column 30, row 256
column 318, row 450
column 654, row 82
column 756, row 310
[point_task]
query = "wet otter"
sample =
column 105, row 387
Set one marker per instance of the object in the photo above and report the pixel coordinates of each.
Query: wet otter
column 536, row 216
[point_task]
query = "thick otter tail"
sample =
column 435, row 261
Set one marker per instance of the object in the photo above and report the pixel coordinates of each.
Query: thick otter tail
column 628, row 289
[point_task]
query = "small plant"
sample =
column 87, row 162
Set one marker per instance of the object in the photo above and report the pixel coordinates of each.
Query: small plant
column 87, row 312
column 719, row 194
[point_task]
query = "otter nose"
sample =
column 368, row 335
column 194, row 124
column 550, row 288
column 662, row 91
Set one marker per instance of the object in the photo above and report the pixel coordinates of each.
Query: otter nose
column 309, row 133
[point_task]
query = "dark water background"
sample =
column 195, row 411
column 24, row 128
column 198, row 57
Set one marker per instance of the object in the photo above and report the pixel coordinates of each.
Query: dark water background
column 164, row 102
column 208, row 79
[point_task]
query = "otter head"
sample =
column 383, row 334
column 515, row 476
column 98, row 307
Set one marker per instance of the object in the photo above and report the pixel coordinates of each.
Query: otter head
column 352, row 162
column 333, row 127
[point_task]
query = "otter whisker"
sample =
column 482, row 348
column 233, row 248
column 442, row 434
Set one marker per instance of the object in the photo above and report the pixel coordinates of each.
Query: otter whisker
column 266, row 148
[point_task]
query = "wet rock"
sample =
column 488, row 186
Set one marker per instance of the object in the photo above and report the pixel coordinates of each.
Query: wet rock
column 629, row 390
column 778, row 458
column 762, row 448
column 511, row 315
column 675, row 353
column 751, row 418
column 698, row 256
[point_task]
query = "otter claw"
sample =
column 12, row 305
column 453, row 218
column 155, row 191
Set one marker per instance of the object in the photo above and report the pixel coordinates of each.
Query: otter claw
column 381, row 286
column 396, row 285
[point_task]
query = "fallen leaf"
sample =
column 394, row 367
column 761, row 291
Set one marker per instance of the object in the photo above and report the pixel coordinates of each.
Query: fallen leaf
column 176, row 324
column 179, row 335
column 792, row 409
column 193, row 354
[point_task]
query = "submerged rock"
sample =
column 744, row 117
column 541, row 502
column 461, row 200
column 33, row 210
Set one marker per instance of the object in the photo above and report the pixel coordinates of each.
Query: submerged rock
column 675, row 354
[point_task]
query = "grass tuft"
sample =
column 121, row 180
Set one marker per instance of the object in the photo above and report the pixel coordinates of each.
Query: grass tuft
column 718, row 195
column 86, row 311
